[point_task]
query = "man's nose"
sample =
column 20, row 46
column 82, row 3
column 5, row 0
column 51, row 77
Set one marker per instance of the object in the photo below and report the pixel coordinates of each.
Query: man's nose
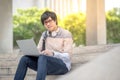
column 47, row 23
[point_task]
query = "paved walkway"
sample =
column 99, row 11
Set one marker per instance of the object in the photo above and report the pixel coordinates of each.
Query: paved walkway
column 104, row 67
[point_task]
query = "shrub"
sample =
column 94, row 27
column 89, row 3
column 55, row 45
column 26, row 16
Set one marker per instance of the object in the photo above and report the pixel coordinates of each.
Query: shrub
column 27, row 24
column 75, row 23
column 113, row 26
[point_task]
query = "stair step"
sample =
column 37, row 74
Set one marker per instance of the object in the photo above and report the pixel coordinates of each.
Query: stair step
column 9, row 62
column 10, row 77
column 28, row 77
column 12, row 70
column 6, row 77
column 31, row 75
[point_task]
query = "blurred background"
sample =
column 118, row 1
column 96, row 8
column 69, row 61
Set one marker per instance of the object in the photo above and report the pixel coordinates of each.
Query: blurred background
column 71, row 15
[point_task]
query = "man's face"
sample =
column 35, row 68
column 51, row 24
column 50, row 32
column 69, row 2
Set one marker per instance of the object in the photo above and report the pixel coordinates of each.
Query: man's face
column 50, row 24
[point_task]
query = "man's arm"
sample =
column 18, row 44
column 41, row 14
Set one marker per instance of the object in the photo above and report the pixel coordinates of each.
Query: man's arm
column 67, row 49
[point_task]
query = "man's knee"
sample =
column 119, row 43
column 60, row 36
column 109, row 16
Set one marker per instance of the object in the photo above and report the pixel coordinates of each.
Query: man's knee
column 42, row 58
column 24, row 59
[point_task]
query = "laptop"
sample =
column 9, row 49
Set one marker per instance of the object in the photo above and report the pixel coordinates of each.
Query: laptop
column 28, row 47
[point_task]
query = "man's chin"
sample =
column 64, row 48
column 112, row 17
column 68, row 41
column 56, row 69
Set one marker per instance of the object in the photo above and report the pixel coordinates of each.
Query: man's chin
column 50, row 30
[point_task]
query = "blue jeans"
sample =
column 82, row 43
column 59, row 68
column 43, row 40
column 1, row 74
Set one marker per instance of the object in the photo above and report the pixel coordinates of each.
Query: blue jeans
column 44, row 65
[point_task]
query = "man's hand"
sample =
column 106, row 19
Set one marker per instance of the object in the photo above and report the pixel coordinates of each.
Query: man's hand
column 48, row 52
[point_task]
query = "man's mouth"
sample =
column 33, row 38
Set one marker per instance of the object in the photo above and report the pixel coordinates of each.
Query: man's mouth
column 49, row 26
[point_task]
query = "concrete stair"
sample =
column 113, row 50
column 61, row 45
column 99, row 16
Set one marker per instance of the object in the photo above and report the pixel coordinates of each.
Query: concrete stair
column 81, row 55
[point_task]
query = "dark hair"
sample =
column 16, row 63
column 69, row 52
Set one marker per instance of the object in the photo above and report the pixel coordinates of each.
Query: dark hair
column 48, row 14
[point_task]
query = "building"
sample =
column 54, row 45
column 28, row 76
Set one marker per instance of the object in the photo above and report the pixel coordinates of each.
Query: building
column 61, row 7
column 96, row 23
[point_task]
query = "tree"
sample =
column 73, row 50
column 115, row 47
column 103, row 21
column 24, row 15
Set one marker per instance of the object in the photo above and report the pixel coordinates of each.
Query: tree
column 27, row 24
column 75, row 23
column 113, row 26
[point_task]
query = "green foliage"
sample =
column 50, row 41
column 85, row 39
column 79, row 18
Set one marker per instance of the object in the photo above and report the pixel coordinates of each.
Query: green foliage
column 27, row 24
column 75, row 23
column 113, row 26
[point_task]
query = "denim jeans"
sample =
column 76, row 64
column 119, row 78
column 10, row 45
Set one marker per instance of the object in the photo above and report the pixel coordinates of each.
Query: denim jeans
column 44, row 65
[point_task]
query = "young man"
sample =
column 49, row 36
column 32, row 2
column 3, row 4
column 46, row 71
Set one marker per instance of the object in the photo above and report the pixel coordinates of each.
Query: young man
column 54, row 59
